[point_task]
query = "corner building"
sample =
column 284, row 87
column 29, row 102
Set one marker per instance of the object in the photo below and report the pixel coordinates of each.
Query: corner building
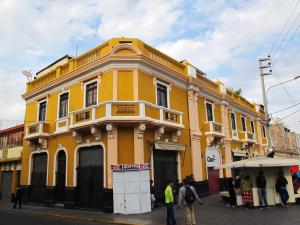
column 125, row 102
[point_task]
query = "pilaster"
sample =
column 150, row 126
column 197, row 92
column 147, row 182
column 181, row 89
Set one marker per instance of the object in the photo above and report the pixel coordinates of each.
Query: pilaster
column 139, row 143
column 195, row 135
column 227, row 143
column 112, row 151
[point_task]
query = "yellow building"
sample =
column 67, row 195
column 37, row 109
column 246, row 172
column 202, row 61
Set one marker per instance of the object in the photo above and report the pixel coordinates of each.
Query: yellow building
column 125, row 102
column 11, row 142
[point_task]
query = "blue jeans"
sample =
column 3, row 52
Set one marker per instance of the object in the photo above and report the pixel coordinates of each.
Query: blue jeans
column 262, row 194
column 170, row 214
column 284, row 195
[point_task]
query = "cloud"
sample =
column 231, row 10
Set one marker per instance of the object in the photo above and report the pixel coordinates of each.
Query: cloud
column 223, row 38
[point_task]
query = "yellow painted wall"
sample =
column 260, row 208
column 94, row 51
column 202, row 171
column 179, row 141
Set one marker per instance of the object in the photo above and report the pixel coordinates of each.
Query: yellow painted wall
column 125, row 145
column 76, row 97
column 106, row 87
column 146, row 88
column 125, row 85
column 218, row 114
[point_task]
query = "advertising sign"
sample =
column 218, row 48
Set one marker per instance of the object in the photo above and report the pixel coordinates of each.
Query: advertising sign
column 212, row 157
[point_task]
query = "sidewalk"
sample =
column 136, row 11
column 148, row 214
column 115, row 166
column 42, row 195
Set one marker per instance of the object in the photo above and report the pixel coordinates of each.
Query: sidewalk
column 212, row 212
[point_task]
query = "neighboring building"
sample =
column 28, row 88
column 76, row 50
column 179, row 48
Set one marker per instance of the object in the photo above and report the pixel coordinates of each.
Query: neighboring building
column 285, row 142
column 125, row 102
column 11, row 146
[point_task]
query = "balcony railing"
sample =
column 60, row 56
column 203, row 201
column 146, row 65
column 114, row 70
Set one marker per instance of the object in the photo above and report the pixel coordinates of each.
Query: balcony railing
column 235, row 135
column 38, row 129
column 126, row 111
column 213, row 128
column 246, row 136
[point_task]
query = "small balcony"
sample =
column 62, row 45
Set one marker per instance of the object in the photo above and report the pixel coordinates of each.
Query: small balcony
column 247, row 137
column 126, row 112
column 37, row 130
column 235, row 135
column 214, row 129
column 265, row 141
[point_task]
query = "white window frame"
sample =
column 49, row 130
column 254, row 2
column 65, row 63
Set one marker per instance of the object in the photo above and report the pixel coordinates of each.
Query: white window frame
column 84, row 92
column 38, row 111
column 234, row 121
column 168, row 92
column 254, row 130
column 245, row 123
column 212, row 108
column 58, row 104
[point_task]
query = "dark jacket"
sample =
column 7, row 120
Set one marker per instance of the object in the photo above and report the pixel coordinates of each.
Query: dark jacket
column 19, row 193
column 261, row 181
column 281, row 182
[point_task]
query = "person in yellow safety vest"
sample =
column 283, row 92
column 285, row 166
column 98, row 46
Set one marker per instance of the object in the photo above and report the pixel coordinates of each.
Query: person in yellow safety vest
column 169, row 201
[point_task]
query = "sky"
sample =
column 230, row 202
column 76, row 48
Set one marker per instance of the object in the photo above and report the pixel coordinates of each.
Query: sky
column 222, row 38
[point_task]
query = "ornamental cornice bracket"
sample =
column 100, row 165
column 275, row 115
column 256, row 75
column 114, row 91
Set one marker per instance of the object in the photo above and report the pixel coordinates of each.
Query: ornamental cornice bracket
column 141, row 130
column 77, row 136
column 109, row 129
column 159, row 132
column 175, row 135
column 96, row 133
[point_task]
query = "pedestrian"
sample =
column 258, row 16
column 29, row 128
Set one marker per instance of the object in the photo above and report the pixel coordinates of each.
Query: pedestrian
column 247, row 191
column 238, row 191
column 261, row 190
column 187, row 196
column 18, row 197
column 176, row 191
column 192, row 181
column 232, row 197
column 169, row 201
column 281, row 189
column 152, row 191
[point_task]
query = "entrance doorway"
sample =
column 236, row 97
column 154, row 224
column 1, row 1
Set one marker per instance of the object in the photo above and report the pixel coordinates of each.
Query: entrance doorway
column 60, row 176
column 213, row 180
column 6, row 186
column 90, row 177
column 165, row 168
column 38, row 177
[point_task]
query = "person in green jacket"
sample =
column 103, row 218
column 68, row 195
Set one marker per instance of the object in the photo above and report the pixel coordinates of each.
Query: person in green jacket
column 169, row 201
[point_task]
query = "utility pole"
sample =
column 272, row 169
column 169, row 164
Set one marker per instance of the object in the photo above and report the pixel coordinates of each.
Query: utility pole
column 265, row 64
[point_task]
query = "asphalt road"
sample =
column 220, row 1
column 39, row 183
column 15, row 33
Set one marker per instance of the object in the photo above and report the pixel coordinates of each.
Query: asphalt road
column 19, row 218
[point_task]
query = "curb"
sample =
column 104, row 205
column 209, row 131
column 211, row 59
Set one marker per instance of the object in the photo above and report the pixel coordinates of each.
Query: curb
column 70, row 217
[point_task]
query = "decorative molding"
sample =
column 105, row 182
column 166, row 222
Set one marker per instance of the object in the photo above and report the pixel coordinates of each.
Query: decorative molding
column 96, row 133
column 77, row 136
column 109, row 129
column 141, row 130
column 175, row 135
column 159, row 132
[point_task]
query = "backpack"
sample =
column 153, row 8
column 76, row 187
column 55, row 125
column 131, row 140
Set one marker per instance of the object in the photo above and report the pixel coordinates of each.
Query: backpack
column 189, row 195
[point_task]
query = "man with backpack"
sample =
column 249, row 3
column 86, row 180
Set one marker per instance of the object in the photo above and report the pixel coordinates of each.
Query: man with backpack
column 187, row 196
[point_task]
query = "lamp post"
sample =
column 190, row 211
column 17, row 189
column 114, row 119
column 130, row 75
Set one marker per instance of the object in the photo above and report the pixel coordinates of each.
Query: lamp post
column 264, row 63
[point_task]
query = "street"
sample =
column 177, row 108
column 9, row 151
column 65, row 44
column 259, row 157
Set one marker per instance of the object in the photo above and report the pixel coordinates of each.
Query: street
column 19, row 218
column 212, row 212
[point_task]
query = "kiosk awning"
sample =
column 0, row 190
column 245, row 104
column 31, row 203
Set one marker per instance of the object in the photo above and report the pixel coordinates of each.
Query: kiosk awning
column 162, row 145
column 260, row 162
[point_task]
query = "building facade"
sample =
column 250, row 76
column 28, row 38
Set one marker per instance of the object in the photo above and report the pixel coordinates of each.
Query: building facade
column 11, row 146
column 125, row 102
column 285, row 142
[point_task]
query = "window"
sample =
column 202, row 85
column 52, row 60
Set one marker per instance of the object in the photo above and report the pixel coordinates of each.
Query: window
column 252, row 126
column 91, row 94
column 209, row 111
column 233, row 123
column 264, row 130
column 162, row 95
column 244, row 124
column 42, row 111
column 63, row 105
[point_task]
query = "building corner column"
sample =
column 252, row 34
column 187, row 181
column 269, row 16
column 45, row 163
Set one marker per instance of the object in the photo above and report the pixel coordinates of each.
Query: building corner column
column 139, row 143
column 112, row 152
column 195, row 135
column 227, row 138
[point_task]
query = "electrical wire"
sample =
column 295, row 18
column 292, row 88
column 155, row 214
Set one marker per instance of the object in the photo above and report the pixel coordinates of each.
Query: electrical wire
column 281, row 110
column 290, row 114
column 283, row 28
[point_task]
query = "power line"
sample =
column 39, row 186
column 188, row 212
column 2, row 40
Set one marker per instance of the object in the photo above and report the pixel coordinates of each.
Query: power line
column 283, row 87
column 283, row 28
column 290, row 114
column 285, row 108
